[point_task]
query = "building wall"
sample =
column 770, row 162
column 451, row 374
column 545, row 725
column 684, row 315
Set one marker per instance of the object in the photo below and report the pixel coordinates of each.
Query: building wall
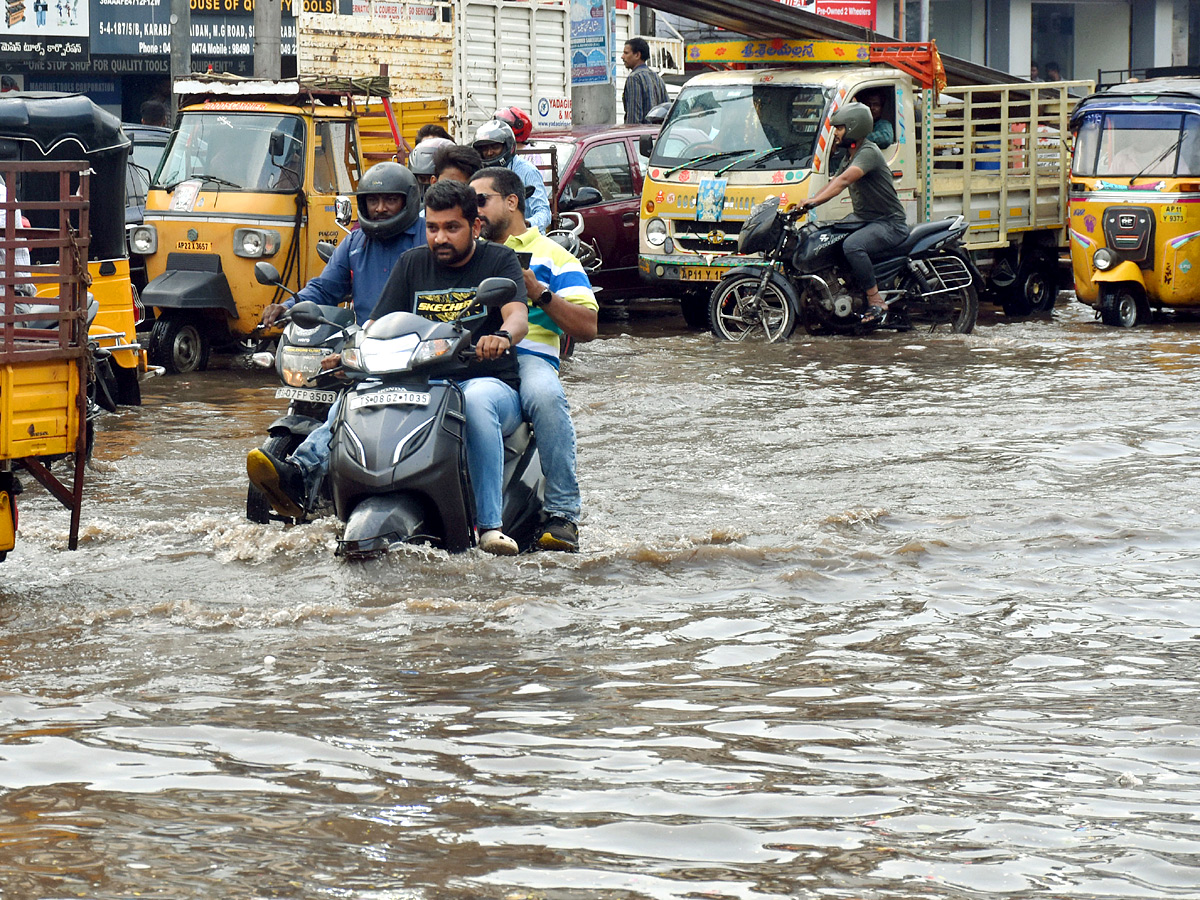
column 1102, row 37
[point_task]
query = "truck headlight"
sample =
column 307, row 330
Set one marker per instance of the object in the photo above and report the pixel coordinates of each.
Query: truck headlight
column 656, row 232
column 254, row 243
column 143, row 240
column 1104, row 259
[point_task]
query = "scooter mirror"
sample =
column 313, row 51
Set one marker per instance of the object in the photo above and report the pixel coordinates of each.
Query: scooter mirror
column 495, row 291
column 343, row 210
column 307, row 314
column 265, row 273
column 324, row 250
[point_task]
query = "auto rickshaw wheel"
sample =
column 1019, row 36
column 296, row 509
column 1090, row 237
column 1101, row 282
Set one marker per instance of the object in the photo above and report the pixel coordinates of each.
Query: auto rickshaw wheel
column 179, row 344
column 1123, row 306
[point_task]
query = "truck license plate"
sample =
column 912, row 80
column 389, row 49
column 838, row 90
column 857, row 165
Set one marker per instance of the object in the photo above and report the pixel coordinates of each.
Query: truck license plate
column 701, row 273
column 306, row 394
column 391, row 398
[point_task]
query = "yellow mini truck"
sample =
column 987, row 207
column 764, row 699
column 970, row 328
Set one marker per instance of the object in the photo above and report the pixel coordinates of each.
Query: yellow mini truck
column 43, row 360
column 252, row 172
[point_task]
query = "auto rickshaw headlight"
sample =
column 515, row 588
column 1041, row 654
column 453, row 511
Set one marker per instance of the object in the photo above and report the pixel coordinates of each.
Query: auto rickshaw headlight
column 256, row 242
column 143, row 240
column 656, row 232
column 1104, row 259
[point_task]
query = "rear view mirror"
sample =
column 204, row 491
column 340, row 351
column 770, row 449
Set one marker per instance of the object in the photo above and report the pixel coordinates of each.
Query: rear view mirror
column 343, row 210
column 657, row 114
column 307, row 314
column 265, row 273
column 324, row 250
column 646, row 144
column 277, row 139
column 585, row 196
column 495, row 291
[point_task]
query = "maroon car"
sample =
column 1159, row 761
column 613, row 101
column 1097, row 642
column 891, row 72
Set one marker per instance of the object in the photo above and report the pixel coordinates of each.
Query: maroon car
column 600, row 177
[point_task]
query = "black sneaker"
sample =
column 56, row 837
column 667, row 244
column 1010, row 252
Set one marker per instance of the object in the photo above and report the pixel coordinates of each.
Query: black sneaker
column 280, row 480
column 559, row 534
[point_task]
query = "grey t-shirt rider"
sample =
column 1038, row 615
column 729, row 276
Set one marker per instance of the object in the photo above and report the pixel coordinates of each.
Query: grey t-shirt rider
column 873, row 196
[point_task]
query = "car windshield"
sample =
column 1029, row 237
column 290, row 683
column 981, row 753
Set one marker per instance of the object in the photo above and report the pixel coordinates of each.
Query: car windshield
column 740, row 125
column 541, row 156
column 236, row 151
column 1128, row 144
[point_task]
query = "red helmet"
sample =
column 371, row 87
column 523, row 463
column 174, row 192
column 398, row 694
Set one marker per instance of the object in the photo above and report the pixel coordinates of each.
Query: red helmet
column 516, row 119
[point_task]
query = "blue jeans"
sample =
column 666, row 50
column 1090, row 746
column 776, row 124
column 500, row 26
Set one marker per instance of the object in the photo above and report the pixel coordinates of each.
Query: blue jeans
column 493, row 412
column 545, row 405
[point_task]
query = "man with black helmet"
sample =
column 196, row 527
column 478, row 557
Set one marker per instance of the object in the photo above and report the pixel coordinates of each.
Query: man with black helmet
column 869, row 178
column 390, row 222
column 497, row 144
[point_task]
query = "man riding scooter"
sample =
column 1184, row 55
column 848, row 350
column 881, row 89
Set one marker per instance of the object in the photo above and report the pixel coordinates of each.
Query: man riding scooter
column 390, row 221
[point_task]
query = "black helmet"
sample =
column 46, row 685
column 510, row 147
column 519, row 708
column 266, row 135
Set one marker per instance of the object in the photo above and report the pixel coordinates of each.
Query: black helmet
column 857, row 119
column 388, row 178
column 495, row 132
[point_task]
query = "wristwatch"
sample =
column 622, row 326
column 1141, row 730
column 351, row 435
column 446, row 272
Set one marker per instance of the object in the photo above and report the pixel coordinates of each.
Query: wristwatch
column 504, row 334
column 543, row 298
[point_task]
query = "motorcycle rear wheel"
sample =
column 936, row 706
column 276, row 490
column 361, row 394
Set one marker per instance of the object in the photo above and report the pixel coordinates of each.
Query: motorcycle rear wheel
column 954, row 312
column 258, row 507
column 738, row 311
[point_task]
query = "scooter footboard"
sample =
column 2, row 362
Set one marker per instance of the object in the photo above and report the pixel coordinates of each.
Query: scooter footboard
column 380, row 521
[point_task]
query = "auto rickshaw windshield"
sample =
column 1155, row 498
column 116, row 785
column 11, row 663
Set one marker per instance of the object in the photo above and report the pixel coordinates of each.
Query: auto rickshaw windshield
column 776, row 126
column 1126, row 144
column 235, row 151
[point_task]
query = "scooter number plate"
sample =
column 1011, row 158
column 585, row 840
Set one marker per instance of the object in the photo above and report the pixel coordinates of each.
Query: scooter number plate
column 391, row 398
column 306, row 394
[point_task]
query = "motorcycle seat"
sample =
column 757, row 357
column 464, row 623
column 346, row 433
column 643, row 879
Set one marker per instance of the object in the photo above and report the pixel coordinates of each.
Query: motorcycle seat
column 515, row 443
column 919, row 233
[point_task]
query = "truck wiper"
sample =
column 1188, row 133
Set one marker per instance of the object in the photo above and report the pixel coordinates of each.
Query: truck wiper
column 708, row 158
column 1156, row 160
column 200, row 177
column 763, row 154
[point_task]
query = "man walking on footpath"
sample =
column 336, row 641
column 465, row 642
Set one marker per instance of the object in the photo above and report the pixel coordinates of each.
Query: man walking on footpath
column 644, row 89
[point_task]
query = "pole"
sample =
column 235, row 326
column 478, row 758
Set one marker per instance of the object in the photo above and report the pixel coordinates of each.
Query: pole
column 181, row 47
column 901, row 30
column 268, row 47
column 924, row 20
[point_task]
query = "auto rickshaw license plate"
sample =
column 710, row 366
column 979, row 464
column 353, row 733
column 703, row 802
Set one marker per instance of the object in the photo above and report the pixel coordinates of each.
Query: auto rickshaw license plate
column 701, row 273
column 391, row 398
column 306, row 394
column 194, row 246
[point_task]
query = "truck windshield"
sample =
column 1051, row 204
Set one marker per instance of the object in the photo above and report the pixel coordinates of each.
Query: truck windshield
column 236, row 151
column 1128, row 144
column 720, row 121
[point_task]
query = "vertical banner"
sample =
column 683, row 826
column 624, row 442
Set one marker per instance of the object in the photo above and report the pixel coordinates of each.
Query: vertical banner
column 591, row 43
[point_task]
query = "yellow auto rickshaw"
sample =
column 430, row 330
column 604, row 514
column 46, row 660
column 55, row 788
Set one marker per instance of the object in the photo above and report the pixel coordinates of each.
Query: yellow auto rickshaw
column 55, row 127
column 252, row 172
column 1134, row 207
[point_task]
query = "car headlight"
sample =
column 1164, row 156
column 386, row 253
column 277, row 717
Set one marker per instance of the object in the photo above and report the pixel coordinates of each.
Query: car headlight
column 1104, row 259
column 656, row 232
column 255, row 242
column 143, row 240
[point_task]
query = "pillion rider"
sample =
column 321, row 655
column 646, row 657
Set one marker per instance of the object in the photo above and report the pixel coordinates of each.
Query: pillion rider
column 390, row 221
column 867, row 175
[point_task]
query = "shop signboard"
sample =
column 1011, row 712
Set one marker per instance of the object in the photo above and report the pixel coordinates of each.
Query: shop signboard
column 219, row 27
column 855, row 12
column 41, row 29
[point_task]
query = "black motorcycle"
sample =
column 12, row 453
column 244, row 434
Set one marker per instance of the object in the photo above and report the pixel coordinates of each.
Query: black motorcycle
column 928, row 281
column 398, row 467
column 308, row 390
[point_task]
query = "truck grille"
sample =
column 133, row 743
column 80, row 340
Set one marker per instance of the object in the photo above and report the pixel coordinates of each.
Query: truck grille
column 707, row 237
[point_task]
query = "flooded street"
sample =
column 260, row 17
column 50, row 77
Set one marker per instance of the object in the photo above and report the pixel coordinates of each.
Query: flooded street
column 903, row 616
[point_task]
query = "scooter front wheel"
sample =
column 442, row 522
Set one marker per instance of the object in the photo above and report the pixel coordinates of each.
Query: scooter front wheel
column 740, row 311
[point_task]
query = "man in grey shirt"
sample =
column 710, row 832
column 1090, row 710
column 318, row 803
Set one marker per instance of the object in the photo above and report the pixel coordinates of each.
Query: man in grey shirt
column 866, row 173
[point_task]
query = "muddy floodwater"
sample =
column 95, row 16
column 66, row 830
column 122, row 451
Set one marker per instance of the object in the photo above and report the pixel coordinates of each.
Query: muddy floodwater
column 896, row 617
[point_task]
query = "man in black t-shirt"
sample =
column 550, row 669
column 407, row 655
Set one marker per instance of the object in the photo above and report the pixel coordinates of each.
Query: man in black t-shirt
column 438, row 281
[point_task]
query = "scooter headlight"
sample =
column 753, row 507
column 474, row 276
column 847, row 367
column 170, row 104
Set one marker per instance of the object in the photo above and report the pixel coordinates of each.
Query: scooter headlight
column 143, row 240
column 298, row 364
column 254, row 243
column 656, row 232
column 352, row 358
column 431, row 350
column 1104, row 259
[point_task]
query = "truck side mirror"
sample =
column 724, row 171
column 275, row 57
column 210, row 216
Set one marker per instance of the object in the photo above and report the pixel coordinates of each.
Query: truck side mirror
column 277, row 138
column 343, row 210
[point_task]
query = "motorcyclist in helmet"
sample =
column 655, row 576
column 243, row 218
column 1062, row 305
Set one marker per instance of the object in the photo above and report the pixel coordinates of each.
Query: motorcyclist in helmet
column 497, row 144
column 390, row 221
column 421, row 160
column 866, row 173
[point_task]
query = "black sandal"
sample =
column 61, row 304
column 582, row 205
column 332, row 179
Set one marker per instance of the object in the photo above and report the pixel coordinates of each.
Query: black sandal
column 874, row 315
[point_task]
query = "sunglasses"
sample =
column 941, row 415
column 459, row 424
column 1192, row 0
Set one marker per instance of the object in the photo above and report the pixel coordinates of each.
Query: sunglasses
column 482, row 199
